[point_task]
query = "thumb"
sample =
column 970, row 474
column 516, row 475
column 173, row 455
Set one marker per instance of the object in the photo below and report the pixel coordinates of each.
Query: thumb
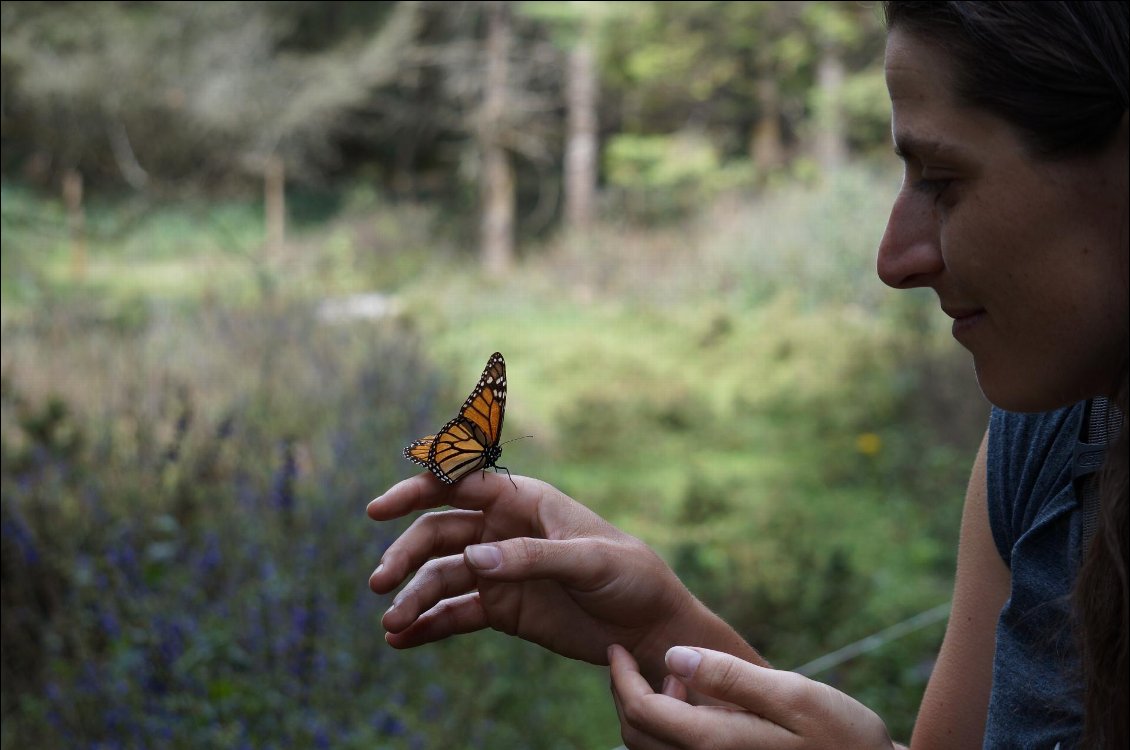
column 574, row 562
column 769, row 693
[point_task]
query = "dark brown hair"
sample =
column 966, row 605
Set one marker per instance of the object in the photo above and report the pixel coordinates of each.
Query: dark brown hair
column 1057, row 72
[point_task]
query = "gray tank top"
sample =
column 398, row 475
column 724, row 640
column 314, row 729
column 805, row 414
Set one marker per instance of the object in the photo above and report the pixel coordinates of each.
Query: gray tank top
column 1037, row 524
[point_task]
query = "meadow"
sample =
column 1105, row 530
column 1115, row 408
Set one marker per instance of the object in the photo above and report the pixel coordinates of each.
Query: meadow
column 190, row 434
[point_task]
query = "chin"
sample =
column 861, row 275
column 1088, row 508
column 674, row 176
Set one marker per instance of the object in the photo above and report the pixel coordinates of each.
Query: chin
column 1024, row 392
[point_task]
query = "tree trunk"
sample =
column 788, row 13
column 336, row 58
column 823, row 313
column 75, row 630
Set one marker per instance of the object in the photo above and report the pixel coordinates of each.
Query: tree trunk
column 581, row 145
column 497, row 184
column 274, row 201
column 767, row 148
column 76, row 222
column 831, row 141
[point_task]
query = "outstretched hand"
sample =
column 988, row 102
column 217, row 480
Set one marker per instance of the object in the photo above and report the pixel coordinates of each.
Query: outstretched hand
column 527, row 560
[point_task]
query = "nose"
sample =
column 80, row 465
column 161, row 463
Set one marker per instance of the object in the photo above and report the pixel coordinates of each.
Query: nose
column 909, row 253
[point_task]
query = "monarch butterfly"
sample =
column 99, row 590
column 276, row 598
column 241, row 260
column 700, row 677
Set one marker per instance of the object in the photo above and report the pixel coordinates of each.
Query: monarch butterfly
column 470, row 441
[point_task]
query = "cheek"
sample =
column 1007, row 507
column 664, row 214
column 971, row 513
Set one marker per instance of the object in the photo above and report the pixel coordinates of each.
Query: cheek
column 1006, row 239
column 1050, row 266
column 1056, row 336
column 979, row 250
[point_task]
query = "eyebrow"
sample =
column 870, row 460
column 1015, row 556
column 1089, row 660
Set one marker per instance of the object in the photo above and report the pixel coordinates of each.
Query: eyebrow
column 907, row 145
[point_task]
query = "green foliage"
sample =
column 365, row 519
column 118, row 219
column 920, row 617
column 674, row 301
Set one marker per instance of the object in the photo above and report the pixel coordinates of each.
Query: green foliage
column 203, row 90
column 24, row 262
column 698, row 61
column 867, row 111
column 184, row 544
column 658, row 178
column 182, row 252
column 659, row 162
column 167, row 98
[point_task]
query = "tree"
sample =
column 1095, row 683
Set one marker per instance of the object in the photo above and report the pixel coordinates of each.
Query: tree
column 746, row 75
column 581, row 148
column 834, row 29
column 497, row 192
column 424, row 99
column 579, row 27
column 204, row 91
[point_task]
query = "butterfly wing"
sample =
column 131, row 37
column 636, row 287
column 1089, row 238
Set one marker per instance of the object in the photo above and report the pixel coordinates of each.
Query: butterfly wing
column 468, row 442
column 458, row 450
column 418, row 450
column 486, row 405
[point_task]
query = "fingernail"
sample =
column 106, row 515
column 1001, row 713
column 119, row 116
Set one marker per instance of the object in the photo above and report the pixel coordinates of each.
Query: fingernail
column 484, row 556
column 683, row 661
column 377, row 572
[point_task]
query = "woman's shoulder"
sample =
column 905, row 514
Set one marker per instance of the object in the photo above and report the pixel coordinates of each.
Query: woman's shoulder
column 1028, row 469
column 1019, row 438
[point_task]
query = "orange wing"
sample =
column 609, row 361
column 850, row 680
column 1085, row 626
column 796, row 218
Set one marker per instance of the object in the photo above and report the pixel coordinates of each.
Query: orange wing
column 469, row 442
column 418, row 450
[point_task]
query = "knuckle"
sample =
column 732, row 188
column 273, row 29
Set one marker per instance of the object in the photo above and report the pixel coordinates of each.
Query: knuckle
column 795, row 693
column 635, row 713
column 425, row 525
column 527, row 552
column 432, row 574
column 433, row 521
column 726, row 676
column 604, row 548
column 443, row 529
column 429, row 573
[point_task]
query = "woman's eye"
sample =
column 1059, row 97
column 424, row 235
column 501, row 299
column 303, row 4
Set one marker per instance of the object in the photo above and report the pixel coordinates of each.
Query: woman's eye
column 931, row 187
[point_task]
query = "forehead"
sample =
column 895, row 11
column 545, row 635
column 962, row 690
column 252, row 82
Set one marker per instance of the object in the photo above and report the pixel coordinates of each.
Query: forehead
column 917, row 70
column 926, row 115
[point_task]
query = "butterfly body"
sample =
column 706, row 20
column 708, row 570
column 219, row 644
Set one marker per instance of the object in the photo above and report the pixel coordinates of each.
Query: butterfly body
column 469, row 442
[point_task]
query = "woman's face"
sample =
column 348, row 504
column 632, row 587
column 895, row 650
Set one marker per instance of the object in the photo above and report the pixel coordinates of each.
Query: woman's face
column 1028, row 256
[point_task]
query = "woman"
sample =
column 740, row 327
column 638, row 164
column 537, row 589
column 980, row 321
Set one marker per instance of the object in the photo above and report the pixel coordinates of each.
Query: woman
column 1011, row 120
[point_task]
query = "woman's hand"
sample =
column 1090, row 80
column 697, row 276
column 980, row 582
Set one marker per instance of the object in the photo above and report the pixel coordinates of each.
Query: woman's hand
column 766, row 708
column 525, row 559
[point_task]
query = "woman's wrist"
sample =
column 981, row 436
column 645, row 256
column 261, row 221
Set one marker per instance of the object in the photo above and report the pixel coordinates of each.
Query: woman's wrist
column 692, row 623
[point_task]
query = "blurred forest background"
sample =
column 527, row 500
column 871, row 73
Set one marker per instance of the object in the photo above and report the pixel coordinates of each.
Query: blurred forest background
column 250, row 250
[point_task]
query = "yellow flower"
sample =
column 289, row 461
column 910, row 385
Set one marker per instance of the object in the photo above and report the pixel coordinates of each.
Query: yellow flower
column 868, row 443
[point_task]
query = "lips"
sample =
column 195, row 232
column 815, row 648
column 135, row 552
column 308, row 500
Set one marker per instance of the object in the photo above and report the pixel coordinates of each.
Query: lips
column 965, row 319
column 960, row 313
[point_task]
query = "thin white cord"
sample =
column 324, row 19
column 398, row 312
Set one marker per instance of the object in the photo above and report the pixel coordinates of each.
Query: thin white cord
column 872, row 642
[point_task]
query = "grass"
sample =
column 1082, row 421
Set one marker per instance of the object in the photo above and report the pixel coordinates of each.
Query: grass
column 738, row 390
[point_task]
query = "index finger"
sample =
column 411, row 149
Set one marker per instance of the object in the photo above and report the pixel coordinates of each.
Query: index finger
column 425, row 491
